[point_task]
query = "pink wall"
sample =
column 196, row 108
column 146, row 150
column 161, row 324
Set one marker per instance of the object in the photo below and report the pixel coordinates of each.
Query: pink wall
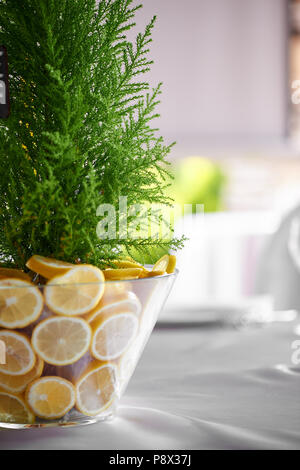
column 223, row 66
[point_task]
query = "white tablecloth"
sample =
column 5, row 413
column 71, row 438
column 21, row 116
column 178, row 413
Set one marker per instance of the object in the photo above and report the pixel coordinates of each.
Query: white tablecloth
column 197, row 388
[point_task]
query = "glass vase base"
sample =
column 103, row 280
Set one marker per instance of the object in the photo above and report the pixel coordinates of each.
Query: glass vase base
column 73, row 419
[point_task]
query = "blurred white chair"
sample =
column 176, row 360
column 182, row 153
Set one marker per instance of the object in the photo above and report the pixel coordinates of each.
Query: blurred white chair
column 219, row 263
column 279, row 267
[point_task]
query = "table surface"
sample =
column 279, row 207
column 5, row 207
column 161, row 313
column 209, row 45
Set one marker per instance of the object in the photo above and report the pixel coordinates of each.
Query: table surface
column 197, row 388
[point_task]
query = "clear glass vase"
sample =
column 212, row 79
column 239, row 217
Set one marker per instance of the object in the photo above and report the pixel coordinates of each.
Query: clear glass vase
column 60, row 367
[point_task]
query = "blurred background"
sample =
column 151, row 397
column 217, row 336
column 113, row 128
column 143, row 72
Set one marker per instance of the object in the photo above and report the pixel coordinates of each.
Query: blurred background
column 230, row 101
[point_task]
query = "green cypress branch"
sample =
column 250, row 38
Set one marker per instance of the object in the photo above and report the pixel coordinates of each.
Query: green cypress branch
column 80, row 131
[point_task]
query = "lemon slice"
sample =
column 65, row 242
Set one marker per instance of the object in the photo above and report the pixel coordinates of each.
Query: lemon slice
column 13, row 409
column 162, row 264
column 121, row 264
column 14, row 273
column 76, row 292
column 172, row 264
column 128, row 361
column 96, row 389
column 114, row 290
column 50, row 397
column 151, row 274
column 21, row 303
column 48, row 267
column 18, row 383
column 61, row 340
column 122, row 274
column 113, row 334
column 19, row 355
column 166, row 264
column 126, row 302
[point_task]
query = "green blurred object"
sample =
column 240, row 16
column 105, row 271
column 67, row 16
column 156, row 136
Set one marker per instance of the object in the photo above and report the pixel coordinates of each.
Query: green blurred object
column 198, row 180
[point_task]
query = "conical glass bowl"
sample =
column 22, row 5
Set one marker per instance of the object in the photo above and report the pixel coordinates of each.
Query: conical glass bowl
column 66, row 370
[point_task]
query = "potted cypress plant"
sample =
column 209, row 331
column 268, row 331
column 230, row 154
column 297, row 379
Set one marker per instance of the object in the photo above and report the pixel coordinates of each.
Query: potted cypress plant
column 80, row 161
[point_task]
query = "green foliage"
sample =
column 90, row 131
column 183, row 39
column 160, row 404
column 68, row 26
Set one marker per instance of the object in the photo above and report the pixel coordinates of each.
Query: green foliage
column 80, row 131
column 198, row 180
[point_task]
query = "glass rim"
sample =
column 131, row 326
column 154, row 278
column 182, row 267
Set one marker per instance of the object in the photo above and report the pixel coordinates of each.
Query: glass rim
column 108, row 281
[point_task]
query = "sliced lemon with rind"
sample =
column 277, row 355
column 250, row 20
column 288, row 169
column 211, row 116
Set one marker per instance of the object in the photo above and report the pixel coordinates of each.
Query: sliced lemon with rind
column 97, row 388
column 121, row 264
column 50, row 397
column 60, row 340
column 113, row 334
column 151, row 274
column 162, row 264
column 14, row 273
column 122, row 274
column 128, row 361
column 128, row 302
column 19, row 355
column 21, row 303
column 18, row 383
column 172, row 264
column 48, row 267
column 14, row 410
column 114, row 290
column 76, row 292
